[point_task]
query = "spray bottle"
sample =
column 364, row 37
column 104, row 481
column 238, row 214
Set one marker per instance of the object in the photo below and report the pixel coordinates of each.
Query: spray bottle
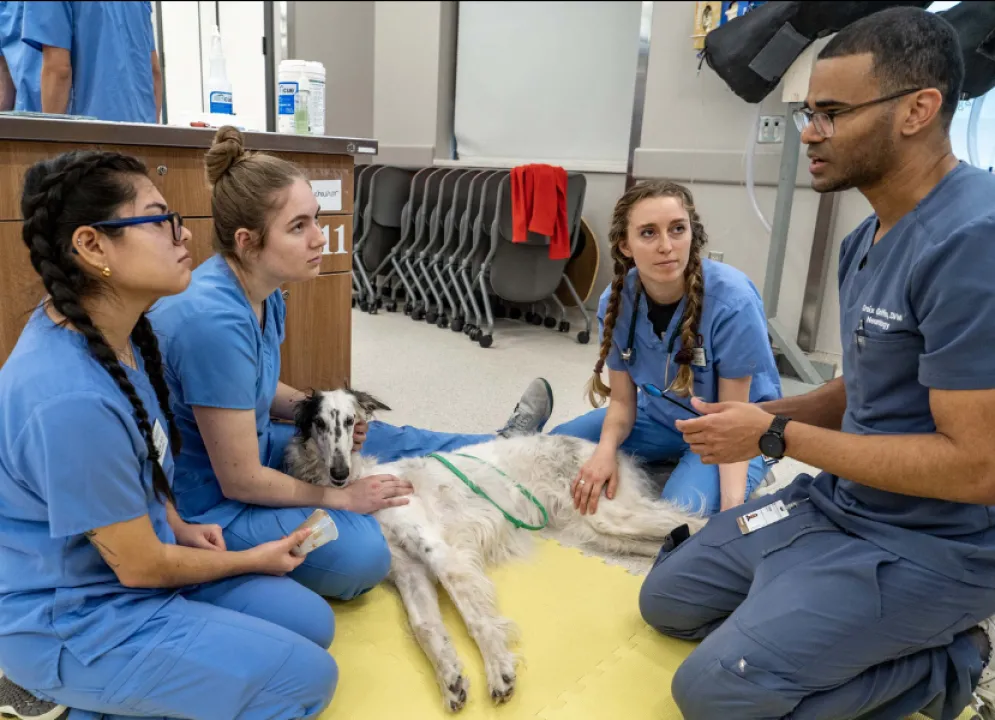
column 219, row 96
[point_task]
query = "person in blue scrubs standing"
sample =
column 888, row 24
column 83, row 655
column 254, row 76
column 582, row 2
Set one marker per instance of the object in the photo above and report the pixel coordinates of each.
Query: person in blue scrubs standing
column 20, row 64
column 98, row 59
column 867, row 590
column 221, row 344
column 110, row 604
column 673, row 324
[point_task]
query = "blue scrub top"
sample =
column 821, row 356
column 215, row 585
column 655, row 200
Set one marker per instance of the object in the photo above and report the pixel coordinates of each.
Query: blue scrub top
column 71, row 459
column 23, row 61
column 110, row 46
column 216, row 355
column 918, row 315
column 733, row 332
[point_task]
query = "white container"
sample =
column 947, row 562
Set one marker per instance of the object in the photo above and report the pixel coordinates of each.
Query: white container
column 289, row 85
column 218, row 95
column 323, row 531
column 290, row 71
column 316, row 76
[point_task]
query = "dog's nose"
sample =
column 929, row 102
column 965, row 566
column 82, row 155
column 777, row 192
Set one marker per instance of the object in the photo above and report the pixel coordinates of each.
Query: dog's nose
column 339, row 472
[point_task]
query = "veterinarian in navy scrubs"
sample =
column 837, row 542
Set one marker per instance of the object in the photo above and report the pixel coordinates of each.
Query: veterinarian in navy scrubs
column 221, row 343
column 109, row 603
column 865, row 591
column 672, row 324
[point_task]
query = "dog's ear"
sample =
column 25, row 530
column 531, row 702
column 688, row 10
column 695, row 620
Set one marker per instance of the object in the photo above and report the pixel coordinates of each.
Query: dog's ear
column 305, row 412
column 367, row 403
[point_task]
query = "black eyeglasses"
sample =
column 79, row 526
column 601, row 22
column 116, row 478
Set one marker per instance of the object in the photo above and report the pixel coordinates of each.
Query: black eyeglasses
column 175, row 219
column 822, row 120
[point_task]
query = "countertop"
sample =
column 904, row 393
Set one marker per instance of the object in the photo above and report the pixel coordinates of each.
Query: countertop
column 35, row 129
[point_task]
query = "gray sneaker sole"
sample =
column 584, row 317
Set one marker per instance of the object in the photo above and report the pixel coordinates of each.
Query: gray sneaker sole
column 16, row 702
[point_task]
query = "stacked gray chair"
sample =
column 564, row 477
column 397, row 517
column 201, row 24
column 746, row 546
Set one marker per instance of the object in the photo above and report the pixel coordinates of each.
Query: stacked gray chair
column 396, row 271
column 523, row 272
column 472, row 264
column 444, row 259
column 387, row 195
column 427, row 261
column 361, row 194
column 421, row 302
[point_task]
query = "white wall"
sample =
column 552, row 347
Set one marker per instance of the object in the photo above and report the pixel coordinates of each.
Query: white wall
column 406, row 69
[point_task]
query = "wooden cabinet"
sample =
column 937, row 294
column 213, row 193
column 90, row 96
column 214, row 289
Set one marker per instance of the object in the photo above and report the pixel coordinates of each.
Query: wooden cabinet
column 20, row 287
column 317, row 349
column 317, row 359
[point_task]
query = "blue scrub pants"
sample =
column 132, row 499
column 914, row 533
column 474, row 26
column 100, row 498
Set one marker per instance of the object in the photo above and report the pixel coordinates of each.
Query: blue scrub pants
column 800, row 620
column 359, row 559
column 692, row 484
column 252, row 647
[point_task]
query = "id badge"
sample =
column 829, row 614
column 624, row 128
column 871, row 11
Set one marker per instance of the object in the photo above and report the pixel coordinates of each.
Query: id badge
column 698, row 357
column 762, row 517
column 160, row 441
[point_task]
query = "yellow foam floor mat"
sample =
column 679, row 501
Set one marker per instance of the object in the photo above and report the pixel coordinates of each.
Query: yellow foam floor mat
column 586, row 653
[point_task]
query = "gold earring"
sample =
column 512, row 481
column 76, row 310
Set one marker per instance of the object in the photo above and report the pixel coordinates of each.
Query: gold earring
column 106, row 272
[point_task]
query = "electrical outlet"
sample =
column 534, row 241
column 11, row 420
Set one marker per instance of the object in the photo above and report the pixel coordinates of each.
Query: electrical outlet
column 771, row 129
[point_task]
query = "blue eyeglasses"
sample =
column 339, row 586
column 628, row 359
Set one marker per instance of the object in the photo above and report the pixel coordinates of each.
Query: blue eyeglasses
column 174, row 218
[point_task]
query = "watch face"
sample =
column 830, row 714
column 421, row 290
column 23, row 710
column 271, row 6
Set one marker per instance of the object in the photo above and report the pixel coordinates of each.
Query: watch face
column 772, row 446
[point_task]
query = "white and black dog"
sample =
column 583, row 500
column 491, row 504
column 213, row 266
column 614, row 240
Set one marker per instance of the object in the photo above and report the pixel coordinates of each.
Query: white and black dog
column 450, row 534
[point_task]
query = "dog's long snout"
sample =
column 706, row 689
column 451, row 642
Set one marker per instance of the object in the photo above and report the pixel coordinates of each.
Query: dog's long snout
column 340, row 468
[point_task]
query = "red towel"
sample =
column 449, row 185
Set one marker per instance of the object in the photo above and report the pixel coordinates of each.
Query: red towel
column 539, row 205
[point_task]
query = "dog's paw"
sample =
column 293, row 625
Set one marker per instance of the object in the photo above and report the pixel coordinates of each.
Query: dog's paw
column 454, row 691
column 501, row 677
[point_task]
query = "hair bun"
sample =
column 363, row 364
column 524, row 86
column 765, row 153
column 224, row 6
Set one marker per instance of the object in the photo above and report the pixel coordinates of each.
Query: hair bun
column 228, row 149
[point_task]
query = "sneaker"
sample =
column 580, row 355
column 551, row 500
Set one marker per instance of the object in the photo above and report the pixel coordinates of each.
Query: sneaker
column 532, row 411
column 17, row 702
column 984, row 693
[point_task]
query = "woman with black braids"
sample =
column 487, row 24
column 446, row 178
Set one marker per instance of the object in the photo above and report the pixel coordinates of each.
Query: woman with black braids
column 110, row 604
column 673, row 325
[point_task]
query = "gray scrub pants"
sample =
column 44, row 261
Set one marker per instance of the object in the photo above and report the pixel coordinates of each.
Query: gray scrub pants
column 802, row 620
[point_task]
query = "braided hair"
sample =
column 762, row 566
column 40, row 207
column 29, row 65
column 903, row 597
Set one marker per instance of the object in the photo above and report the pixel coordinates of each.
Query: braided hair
column 694, row 285
column 60, row 195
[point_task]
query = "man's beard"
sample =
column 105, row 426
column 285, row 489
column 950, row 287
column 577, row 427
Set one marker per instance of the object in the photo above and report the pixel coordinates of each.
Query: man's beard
column 864, row 168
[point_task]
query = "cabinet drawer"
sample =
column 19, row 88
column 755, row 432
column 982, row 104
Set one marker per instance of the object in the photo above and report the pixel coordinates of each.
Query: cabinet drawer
column 177, row 172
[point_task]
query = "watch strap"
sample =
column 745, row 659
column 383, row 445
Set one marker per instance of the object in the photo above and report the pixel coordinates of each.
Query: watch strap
column 777, row 425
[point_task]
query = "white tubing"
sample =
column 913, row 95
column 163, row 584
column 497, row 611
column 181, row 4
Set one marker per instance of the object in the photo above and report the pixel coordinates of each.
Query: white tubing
column 751, row 146
column 972, row 130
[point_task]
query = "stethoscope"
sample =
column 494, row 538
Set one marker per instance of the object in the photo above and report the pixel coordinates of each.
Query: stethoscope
column 683, row 356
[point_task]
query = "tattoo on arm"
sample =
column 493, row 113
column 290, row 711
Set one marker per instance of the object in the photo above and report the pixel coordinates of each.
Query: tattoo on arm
column 105, row 552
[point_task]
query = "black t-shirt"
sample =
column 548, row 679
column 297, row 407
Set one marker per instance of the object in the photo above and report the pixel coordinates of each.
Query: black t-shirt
column 660, row 315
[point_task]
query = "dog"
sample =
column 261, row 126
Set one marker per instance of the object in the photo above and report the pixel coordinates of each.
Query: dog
column 448, row 533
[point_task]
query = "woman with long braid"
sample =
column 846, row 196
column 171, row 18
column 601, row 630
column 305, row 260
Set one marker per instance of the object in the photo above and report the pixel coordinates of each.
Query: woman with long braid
column 110, row 604
column 673, row 325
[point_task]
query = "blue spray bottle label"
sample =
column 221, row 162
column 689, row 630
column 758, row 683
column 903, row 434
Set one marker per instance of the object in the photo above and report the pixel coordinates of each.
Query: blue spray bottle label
column 221, row 102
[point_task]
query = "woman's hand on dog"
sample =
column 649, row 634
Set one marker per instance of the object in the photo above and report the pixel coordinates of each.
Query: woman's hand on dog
column 376, row 492
column 586, row 488
column 359, row 434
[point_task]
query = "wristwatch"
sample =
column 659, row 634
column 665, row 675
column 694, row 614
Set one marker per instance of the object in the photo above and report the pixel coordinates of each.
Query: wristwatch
column 772, row 441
